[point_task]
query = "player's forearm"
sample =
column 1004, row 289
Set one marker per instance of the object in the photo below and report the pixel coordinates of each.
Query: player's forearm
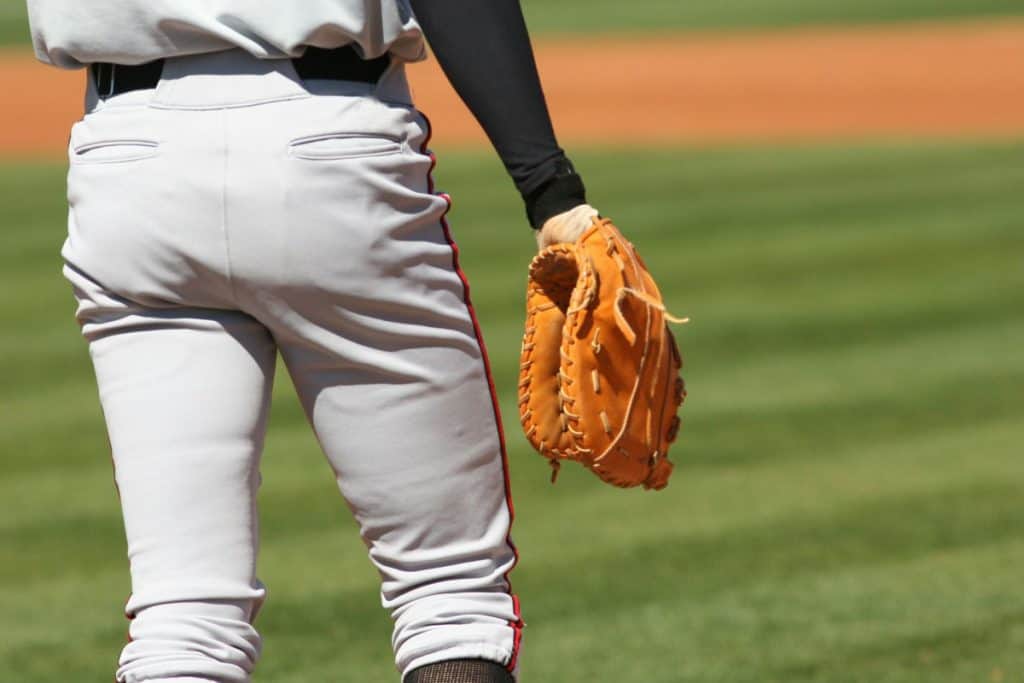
column 485, row 51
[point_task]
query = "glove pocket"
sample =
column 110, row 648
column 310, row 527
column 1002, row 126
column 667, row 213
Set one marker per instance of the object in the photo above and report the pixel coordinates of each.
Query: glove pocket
column 541, row 377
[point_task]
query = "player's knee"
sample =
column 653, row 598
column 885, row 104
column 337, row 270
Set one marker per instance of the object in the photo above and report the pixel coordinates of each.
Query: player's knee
column 202, row 640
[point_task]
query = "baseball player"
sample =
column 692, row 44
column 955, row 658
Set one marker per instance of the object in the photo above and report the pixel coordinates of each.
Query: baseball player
column 252, row 178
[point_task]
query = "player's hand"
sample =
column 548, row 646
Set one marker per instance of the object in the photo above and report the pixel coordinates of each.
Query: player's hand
column 565, row 227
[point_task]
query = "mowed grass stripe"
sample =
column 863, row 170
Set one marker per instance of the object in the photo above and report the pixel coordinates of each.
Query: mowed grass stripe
column 849, row 458
column 819, row 430
column 847, row 465
column 967, row 284
column 803, row 188
column 850, row 372
column 308, row 514
column 609, row 16
column 780, row 204
column 861, row 628
column 748, row 602
column 308, row 518
column 565, row 641
column 582, row 16
column 851, row 377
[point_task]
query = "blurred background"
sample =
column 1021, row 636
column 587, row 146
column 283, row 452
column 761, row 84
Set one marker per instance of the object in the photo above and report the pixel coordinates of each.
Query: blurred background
column 832, row 191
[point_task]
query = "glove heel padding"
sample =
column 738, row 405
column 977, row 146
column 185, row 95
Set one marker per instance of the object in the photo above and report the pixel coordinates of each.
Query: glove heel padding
column 599, row 373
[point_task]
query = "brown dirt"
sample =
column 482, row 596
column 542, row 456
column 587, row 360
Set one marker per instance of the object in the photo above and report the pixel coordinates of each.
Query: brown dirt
column 908, row 80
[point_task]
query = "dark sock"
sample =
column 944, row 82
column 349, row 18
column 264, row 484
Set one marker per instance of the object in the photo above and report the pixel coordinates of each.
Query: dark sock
column 460, row 671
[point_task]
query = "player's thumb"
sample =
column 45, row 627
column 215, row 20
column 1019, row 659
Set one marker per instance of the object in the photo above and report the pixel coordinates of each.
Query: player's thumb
column 566, row 226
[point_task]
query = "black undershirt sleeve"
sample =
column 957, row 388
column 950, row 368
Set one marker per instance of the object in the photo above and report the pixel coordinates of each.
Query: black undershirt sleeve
column 484, row 49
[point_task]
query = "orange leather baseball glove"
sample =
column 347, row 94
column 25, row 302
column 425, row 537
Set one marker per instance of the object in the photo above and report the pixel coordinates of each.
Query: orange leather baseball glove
column 599, row 374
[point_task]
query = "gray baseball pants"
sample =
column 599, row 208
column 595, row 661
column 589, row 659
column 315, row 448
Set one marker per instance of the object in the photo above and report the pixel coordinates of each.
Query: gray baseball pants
column 235, row 212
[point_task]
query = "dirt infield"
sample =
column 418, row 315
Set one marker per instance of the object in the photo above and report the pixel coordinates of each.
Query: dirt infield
column 921, row 80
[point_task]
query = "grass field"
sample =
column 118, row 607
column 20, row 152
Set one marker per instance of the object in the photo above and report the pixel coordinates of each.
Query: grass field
column 613, row 16
column 573, row 16
column 847, row 505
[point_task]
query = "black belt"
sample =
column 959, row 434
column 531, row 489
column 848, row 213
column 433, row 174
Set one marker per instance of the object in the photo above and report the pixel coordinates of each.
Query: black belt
column 337, row 64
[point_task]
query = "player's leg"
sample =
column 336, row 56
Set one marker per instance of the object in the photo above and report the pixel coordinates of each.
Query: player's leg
column 403, row 409
column 184, row 393
column 378, row 336
column 184, row 383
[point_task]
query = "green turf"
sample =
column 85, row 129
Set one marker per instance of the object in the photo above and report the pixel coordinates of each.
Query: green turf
column 610, row 16
column 847, row 505
column 13, row 22
column 574, row 16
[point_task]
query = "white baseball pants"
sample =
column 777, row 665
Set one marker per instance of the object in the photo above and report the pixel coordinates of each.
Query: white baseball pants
column 234, row 212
